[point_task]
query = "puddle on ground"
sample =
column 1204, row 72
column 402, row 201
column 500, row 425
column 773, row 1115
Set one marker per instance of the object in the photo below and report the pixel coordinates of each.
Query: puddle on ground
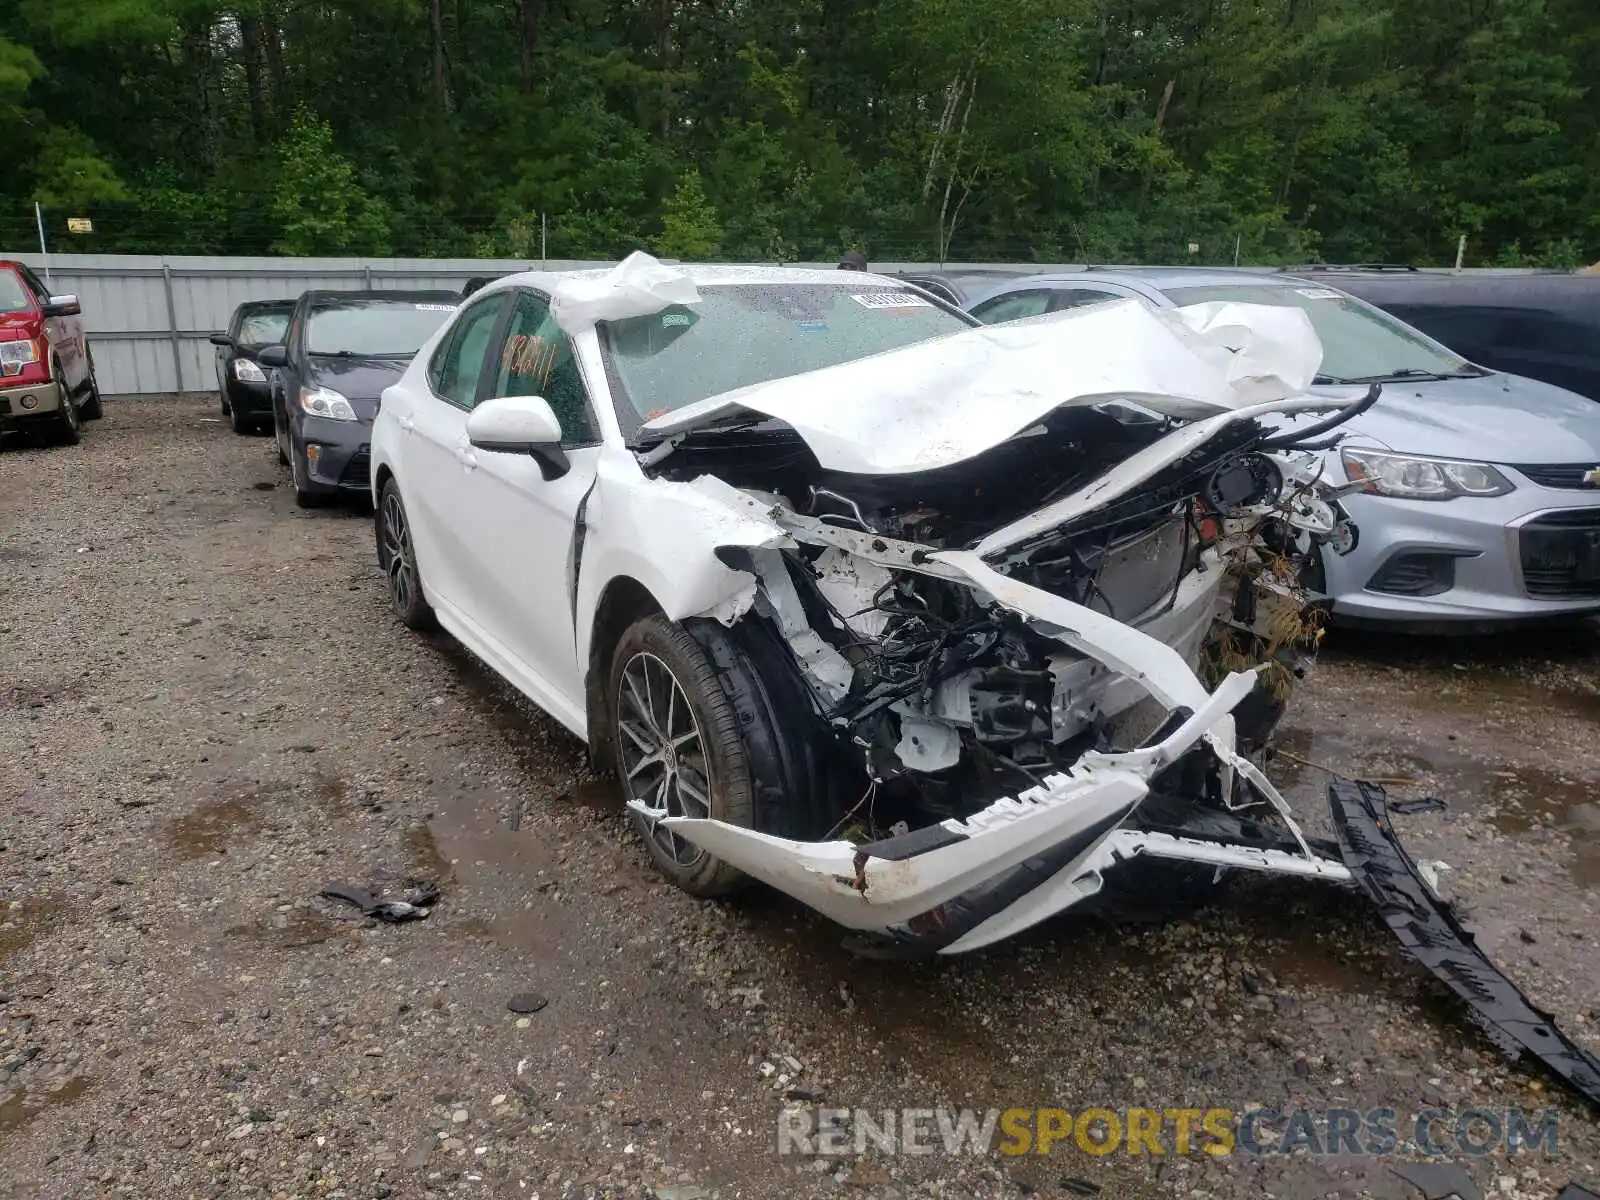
column 1517, row 801
column 206, row 831
column 333, row 794
column 19, row 926
column 424, row 859
column 25, row 1106
column 296, row 931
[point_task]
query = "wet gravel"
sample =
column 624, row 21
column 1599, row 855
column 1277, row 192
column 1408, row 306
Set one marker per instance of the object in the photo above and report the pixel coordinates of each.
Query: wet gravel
column 207, row 716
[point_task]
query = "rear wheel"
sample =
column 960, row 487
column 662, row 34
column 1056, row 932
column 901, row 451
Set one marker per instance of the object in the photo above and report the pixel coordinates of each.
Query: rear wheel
column 397, row 556
column 68, row 427
column 678, row 750
column 92, row 410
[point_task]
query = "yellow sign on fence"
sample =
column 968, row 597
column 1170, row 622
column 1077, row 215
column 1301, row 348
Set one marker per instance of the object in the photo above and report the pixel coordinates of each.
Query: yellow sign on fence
column 80, row 225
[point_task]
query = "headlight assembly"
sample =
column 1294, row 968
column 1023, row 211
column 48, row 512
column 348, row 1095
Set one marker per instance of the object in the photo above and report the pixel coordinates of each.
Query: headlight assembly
column 1410, row 477
column 248, row 371
column 325, row 402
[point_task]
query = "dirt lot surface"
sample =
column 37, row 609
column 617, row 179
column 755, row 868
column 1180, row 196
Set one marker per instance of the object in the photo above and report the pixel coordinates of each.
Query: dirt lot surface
column 207, row 715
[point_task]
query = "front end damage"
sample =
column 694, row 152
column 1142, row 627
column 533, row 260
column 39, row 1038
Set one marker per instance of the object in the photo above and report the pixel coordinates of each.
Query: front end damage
column 1025, row 658
column 1004, row 656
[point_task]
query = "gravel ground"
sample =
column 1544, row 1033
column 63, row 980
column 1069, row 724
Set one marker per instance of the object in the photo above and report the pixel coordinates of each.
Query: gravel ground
column 207, row 715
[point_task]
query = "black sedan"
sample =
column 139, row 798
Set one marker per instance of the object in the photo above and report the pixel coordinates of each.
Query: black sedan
column 242, row 382
column 340, row 351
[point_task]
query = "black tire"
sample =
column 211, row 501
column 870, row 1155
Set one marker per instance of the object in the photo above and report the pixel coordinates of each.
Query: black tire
column 91, row 409
column 714, row 764
column 240, row 423
column 397, row 557
column 277, row 438
column 67, row 427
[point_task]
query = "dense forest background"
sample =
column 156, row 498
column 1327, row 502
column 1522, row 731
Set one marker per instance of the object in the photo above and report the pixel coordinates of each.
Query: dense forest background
column 1042, row 130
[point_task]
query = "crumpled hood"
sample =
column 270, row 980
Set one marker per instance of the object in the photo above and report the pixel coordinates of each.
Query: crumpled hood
column 939, row 402
column 1495, row 418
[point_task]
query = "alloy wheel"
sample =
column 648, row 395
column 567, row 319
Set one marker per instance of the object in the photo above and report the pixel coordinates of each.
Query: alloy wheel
column 399, row 560
column 664, row 764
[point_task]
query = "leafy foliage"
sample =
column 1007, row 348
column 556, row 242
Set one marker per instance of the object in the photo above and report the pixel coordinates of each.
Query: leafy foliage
column 1044, row 130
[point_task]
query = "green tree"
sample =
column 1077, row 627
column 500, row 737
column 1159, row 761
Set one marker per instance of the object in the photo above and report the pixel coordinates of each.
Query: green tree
column 318, row 202
column 690, row 228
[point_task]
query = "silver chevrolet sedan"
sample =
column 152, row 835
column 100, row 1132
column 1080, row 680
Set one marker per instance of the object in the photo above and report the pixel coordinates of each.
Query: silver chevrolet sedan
column 1482, row 498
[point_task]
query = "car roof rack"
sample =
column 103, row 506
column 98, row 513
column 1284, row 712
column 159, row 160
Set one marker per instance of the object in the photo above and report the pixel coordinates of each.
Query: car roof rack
column 1307, row 267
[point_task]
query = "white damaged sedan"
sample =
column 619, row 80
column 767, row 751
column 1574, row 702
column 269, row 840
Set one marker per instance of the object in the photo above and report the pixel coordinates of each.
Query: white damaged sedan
column 928, row 625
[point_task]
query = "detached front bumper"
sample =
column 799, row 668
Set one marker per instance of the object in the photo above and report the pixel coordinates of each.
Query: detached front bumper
column 23, row 402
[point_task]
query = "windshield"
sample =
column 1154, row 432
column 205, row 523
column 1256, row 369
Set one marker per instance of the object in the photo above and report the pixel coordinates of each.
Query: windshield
column 375, row 328
column 1359, row 342
column 262, row 328
column 750, row 333
column 13, row 296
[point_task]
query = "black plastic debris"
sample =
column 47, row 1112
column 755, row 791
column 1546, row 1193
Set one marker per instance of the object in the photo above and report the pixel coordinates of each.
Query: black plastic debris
column 1080, row 1187
column 1577, row 1191
column 414, row 902
column 526, row 1002
column 1426, row 804
column 1430, row 932
column 1439, row 1180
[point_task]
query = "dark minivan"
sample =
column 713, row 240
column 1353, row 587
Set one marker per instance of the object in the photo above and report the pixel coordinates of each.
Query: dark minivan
column 341, row 349
column 1542, row 324
column 242, row 382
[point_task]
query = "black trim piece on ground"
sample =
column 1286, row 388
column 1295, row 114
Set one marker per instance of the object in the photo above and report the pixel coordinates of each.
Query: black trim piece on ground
column 1432, row 935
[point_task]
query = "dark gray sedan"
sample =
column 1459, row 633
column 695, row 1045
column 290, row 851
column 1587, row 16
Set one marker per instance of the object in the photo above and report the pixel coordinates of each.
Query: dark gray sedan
column 341, row 349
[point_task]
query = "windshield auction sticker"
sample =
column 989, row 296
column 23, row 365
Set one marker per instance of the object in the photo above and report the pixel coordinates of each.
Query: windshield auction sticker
column 890, row 300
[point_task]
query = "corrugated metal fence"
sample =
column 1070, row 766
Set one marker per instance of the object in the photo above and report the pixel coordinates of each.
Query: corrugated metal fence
column 148, row 316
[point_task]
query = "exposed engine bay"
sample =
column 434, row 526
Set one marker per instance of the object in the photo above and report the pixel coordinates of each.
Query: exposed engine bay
column 948, row 700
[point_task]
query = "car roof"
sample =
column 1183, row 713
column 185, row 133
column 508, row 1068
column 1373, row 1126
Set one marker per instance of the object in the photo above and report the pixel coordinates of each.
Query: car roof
column 319, row 294
column 704, row 275
column 1161, row 278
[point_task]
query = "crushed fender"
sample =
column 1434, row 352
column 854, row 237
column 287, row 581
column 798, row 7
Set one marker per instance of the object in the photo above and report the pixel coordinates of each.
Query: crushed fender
column 1432, row 934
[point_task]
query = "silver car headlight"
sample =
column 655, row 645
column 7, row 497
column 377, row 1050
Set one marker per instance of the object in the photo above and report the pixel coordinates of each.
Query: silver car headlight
column 1410, row 477
column 325, row 402
column 247, row 371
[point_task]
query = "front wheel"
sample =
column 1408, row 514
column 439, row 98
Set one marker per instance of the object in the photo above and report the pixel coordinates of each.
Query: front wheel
column 677, row 749
column 397, row 556
column 239, row 422
column 68, row 425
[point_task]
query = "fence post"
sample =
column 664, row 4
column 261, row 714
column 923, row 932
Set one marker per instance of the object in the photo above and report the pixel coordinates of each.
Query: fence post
column 366, row 276
column 172, row 327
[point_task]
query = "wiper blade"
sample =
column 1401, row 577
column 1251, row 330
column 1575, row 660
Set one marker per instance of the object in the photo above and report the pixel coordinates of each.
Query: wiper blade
column 1400, row 373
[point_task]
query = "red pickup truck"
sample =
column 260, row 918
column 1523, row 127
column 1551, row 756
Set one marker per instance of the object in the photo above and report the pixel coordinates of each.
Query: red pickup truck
column 46, row 370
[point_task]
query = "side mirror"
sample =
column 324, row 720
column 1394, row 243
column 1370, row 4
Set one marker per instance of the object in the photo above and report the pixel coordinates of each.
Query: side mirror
column 276, row 355
column 221, row 339
column 520, row 425
column 62, row 306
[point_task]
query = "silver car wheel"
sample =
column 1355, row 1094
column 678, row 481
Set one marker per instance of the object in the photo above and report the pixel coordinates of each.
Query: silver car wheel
column 399, row 561
column 664, row 763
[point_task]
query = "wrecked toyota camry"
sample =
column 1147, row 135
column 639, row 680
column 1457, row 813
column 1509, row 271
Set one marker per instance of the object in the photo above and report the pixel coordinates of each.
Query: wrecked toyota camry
column 930, row 626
